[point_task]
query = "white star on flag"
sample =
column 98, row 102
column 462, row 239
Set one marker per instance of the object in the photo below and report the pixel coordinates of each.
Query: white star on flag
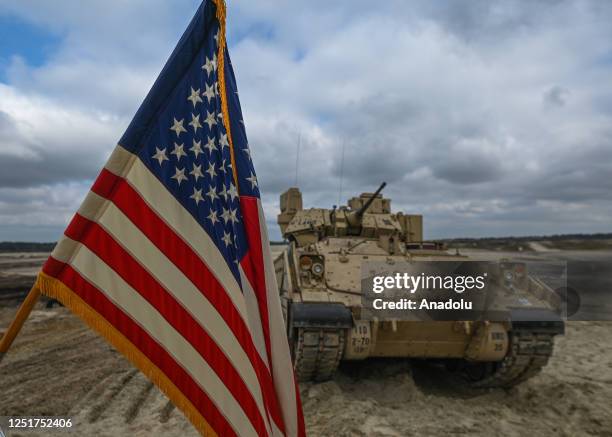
column 211, row 170
column 196, row 172
column 224, row 193
column 210, row 145
column 232, row 216
column 178, row 151
column 178, row 127
column 195, row 122
column 194, row 97
column 210, row 65
column 197, row 195
column 210, row 119
column 160, row 155
column 233, row 192
column 209, row 93
column 212, row 194
column 179, row 175
column 227, row 238
column 197, row 148
column 225, row 215
column 253, row 180
column 223, row 141
column 213, row 216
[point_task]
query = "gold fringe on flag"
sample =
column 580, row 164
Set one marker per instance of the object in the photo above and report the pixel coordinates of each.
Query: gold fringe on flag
column 221, row 11
column 56, row 289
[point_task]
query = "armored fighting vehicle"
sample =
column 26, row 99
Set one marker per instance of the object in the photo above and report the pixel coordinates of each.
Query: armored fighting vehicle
column 319, row 277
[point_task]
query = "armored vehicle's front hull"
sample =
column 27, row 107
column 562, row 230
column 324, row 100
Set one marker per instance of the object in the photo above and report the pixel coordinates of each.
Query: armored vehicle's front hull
column 325, row 326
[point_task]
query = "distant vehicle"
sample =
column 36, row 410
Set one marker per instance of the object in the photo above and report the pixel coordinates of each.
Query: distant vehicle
column 319, row 279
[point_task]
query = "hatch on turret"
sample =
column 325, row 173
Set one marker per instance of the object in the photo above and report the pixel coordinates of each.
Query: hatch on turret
column 378, row 206
column 290, row 203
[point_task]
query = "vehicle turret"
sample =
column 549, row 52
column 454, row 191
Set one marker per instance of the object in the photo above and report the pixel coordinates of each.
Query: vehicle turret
column 355, row 218
column 368, row 215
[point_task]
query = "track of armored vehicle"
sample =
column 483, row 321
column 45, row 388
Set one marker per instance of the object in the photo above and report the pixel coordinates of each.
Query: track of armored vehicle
column 528, row 353
column 318, row 352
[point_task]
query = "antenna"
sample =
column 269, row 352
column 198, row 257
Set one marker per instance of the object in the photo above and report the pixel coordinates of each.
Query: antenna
column 341, row 173
column 297, row 157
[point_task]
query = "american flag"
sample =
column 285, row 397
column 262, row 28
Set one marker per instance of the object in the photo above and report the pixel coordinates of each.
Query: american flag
column 168, row 256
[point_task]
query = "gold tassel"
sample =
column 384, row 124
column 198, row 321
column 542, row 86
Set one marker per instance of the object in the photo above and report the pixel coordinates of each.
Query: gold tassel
column 56, row 289
column 221, row 11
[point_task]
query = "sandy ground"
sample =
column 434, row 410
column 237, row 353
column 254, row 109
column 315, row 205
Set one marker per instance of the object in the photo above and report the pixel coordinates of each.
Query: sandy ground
column 58, row 366
column 572, row 396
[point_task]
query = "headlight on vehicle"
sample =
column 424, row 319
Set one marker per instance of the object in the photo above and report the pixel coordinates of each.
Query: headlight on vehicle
column 317, row 269
column 305, row 262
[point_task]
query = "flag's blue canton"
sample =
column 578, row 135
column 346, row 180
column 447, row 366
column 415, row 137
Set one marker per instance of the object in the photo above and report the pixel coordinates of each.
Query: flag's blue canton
column 187, row 148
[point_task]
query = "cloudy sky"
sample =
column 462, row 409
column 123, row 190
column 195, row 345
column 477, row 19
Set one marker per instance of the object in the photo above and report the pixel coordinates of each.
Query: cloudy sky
column 490, row 118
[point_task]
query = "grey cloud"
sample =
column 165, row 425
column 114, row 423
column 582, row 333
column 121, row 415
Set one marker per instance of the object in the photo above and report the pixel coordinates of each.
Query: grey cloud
column 27, row 161
column 555, row 96
column 468, row 170
column 47, row 168
column 483, row 19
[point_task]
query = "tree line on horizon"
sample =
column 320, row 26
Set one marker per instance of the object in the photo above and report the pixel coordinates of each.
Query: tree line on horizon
column 26, row 246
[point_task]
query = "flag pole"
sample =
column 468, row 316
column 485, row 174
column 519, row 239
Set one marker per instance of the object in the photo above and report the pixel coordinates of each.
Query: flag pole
column 22, row 314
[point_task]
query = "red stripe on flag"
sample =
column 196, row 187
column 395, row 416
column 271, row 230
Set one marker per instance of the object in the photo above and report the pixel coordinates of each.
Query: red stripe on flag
column 142, row 340
column 253, row 264
column 122, row 194
column 116, row 257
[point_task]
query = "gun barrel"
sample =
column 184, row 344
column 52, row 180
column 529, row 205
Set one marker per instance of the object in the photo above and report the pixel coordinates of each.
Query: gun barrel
column 366, row 205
